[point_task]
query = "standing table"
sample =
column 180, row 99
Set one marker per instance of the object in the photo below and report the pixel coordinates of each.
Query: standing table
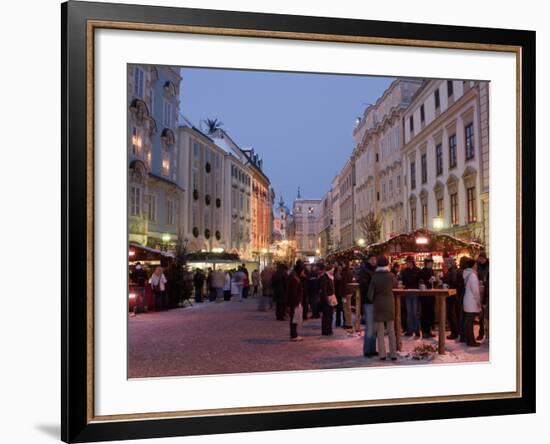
column 441, row 294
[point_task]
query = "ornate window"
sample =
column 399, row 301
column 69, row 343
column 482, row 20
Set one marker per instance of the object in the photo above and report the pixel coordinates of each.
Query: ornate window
column 152, row 207
column 471, row 201
column 452, row 151
column 170, row 213
column 439, row 159
column 454, row 209
column 440, row 207
column 469, row 139
column 135, row 201
column 449, row 88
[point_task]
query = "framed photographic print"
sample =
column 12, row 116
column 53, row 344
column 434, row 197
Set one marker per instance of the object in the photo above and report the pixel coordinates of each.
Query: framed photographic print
column 275, row 221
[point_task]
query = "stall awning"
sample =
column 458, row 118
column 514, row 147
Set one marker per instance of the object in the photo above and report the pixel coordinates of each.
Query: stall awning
column 422, row 241
column 137, row 252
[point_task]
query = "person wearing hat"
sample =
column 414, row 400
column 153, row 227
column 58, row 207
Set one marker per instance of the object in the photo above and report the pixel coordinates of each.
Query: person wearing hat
column 427, row 303
column 410, row 277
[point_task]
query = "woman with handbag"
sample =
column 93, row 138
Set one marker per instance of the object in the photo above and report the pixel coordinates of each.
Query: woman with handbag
column 327, row 299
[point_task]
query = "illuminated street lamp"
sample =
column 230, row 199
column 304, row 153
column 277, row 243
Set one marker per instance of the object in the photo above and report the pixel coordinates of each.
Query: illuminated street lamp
column 361, row 242
column 165, row 239
column 438, row 223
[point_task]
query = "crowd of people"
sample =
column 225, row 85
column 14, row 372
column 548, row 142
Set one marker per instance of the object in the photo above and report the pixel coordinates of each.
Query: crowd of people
column 323, row 290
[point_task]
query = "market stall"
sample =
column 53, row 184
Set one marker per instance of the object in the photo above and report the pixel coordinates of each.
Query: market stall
column 423, row 243
column 149, row 258
column 223, row 261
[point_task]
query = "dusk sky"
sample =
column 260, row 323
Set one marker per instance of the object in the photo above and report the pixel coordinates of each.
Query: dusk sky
column 300, row 124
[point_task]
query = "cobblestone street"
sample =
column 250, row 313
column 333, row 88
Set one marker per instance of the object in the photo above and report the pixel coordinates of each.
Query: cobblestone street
column 232, row 337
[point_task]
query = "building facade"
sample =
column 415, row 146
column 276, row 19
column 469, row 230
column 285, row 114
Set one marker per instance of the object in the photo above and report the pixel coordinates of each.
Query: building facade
column 304, row 226
column 155, row 196
column 324, row 225
column 237, row 193
column 442, row 159
column 378, row 159
column 261, row 205
column 203, row 221
column 346, row 192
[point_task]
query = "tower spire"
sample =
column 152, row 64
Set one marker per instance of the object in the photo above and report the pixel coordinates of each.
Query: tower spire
column 299, row 194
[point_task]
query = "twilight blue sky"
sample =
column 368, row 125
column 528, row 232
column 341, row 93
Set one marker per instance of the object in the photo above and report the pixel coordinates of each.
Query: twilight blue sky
column 300, row 124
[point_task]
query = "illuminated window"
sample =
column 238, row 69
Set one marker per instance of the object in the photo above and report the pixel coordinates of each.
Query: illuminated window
column 136, row 142
column 425, row 215
column 454, row 209
column 166, row 166
column 440, row 207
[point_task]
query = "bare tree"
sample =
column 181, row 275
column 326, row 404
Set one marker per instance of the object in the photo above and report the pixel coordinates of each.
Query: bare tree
column 371, row 227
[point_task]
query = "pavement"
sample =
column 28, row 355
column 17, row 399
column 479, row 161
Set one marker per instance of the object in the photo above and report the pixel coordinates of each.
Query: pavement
column 234, row 337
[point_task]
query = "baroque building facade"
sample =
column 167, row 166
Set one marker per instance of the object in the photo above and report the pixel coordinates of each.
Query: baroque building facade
column 378, row 159
column 421, row 159
column 155, row 197
column 443, row 158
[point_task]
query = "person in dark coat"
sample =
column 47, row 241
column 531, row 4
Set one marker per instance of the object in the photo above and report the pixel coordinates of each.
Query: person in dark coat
column 347, row 278
column 295, row 293
column 198, row 282
column 449, row 280
column 381, row 294
column 313, row 291
column 483, row 276
column 326, row 288
column 339, row 294
column 366, row 271
column 279, row 283
column 304, row 277
column 139, row 277
column 427, row 303
column 410, row 277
